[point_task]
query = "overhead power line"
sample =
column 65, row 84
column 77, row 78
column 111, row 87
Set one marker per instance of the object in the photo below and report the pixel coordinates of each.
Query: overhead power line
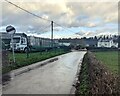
column 36, row 15
column 27, row 11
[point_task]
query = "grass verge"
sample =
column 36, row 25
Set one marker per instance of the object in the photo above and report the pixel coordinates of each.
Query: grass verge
column 83, row 86
column 22, row 60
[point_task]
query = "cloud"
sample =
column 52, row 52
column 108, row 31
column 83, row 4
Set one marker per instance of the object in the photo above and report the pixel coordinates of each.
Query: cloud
column 91, row 24
column 68, row 14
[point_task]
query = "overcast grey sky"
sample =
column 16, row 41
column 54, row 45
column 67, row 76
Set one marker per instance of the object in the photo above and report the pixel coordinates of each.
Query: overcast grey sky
column 85, row 18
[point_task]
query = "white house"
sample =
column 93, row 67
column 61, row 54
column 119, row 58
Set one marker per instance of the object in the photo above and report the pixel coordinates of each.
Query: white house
column 107, row 43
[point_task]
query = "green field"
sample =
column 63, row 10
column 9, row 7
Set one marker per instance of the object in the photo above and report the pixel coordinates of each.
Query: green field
column 110, row 59
column 22, row 60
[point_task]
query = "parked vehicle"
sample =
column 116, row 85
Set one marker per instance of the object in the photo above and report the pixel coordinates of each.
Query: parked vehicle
column 24, row 43
column 19, row 42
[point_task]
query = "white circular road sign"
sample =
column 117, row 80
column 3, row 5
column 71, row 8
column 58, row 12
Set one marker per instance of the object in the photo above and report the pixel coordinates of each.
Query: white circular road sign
column 10, row 29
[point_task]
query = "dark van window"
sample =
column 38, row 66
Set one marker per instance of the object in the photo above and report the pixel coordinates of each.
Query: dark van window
column 16, row 39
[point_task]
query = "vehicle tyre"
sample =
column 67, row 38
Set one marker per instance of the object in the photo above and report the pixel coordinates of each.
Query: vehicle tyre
column 25, row 50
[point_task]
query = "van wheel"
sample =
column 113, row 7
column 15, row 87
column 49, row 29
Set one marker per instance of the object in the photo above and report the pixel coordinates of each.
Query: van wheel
column 25, row 50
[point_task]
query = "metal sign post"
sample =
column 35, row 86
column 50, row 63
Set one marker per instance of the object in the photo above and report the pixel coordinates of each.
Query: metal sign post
column 13, row 48
column 11, row 30
column 52, row 34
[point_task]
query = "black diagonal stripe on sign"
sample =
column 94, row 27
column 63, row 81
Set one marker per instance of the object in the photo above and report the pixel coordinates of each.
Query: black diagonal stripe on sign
column 11, row 29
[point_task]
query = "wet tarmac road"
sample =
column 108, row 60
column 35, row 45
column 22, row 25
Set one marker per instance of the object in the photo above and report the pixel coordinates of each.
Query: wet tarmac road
column 54, row 78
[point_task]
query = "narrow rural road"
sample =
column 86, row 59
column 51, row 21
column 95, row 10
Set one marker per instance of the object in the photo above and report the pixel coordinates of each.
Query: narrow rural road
column 54, row 78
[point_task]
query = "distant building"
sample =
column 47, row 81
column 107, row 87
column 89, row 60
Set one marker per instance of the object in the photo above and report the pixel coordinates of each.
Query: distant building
column 38, row 41
column 70, row 41
column 64, row 44
column 107, row 43
column 91, row 42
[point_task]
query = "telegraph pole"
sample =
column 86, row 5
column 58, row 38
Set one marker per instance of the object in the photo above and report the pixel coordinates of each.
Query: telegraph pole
column 51, row 33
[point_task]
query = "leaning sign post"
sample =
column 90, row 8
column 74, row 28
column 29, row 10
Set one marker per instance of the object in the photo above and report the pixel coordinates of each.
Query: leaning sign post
column 11, row 30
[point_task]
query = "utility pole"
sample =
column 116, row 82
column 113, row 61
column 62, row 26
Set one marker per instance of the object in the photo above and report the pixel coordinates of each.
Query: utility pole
column 51, row 33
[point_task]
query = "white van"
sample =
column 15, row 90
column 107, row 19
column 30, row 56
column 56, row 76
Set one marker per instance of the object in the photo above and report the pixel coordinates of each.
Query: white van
column 19, row 42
